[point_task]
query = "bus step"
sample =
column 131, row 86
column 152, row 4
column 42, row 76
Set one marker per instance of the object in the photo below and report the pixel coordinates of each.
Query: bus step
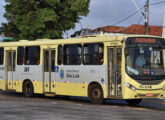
column 50, row 94
column 10, row 90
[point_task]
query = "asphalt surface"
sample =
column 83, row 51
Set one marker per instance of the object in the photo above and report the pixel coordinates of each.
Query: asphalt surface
column 14, row 106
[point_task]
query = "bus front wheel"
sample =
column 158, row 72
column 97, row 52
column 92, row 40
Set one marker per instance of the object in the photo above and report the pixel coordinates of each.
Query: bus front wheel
column 28, row 89
column 95, row 94
column 134, row 101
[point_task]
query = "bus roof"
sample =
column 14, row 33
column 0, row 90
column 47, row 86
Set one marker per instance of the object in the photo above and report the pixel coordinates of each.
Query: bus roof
column 85, row 39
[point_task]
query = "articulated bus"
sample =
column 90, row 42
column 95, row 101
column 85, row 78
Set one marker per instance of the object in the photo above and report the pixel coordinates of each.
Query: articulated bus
column 129, row 67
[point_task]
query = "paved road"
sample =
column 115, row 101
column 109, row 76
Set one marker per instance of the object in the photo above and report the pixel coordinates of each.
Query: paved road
column 17, row 107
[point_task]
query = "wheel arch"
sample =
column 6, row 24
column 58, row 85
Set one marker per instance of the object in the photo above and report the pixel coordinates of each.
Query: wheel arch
column 92, row 83
column 95, row 92
column 27, row 80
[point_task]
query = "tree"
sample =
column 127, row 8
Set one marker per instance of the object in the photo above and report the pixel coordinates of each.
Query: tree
column 37, row 19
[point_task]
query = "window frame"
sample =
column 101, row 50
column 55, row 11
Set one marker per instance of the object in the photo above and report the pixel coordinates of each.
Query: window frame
column 26, row 59
column 23, row 55
column 58, row 57
column 2, row 58
column 77, row 55
column 98, row 54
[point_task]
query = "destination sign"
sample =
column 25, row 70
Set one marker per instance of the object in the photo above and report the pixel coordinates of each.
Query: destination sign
column 145, row 41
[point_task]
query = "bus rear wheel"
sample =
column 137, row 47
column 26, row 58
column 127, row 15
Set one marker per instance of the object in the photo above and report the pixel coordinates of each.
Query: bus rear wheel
column 134, row 101
column 28, row 89
column 95, row 94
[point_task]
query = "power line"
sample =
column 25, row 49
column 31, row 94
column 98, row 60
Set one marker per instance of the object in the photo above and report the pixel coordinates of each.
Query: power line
column 138, row 9
column 160, row 2
column 132, row 14
column 140, row 20
column 157, row 3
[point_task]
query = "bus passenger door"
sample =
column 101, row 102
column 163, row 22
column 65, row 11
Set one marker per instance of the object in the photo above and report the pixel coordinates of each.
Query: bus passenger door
column 10, row 57
column 49, row 68
column 114, row 72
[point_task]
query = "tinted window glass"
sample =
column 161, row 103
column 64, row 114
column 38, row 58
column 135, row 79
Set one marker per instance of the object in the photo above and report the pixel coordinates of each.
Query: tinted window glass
column 93, row 54
column 1, row 55
column 32, row 55
column 20, row 55
column 53, row 61
column 46, row 61
column 59, row 54
column 72, row 54
column 14, row 57
column 9, row 61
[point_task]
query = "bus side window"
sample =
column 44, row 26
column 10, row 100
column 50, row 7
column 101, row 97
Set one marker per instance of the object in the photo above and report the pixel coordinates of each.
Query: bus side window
column 93, row 54
column 59, row 55
column 72, row 54
column 32, row 55
column 1, row 55
column 20, row 55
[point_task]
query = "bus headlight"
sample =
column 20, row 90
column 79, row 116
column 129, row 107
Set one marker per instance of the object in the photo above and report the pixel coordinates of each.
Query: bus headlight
column 164, row 88
column 133, row 88
column 130, row 86
column 127, row 84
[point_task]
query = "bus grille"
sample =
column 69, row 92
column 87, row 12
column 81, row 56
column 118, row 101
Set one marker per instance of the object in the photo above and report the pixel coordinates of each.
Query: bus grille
column 149, row 82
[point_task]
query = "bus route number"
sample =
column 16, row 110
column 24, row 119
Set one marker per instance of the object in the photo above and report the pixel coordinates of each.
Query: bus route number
column 26, row 69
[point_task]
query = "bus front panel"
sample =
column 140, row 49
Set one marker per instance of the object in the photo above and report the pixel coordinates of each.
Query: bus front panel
column 144, row 68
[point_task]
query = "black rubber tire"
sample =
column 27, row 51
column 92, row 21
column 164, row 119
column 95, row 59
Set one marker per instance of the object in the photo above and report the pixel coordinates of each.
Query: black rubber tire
column 134, row 101
column 95, row 94
column 28, row 89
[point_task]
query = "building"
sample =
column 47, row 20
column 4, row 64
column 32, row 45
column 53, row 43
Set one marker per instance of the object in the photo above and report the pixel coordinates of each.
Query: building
column 133, row 29
column 108, row 30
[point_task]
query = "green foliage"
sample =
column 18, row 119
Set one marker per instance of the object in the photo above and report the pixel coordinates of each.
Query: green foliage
column 37, row 19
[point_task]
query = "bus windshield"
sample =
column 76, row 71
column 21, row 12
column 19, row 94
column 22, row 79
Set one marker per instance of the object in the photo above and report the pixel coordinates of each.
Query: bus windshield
column 145, row 62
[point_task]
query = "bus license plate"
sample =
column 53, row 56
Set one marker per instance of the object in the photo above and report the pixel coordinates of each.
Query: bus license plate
column 149, row 94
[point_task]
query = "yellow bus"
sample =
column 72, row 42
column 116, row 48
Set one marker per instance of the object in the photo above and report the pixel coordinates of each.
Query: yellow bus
column 129, row 67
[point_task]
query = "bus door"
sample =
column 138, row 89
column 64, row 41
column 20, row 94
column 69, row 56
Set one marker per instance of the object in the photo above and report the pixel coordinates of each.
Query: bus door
column 114, row 72
column 11, row 59
column 49, row 68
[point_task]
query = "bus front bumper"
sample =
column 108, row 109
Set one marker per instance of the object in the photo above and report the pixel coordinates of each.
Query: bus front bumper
column 140, row 94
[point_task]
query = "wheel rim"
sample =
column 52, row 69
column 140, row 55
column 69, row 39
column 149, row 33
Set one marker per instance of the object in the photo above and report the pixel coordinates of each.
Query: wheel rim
column 28, row 89
column 96, row 94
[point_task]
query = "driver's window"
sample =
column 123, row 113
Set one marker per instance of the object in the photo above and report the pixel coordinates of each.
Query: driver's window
column 130, row 55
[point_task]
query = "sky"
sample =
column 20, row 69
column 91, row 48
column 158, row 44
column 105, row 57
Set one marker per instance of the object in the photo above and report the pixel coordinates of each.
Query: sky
column 2, row 10
column 109, row 12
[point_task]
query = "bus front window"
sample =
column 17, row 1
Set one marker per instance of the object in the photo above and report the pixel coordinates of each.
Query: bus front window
column 145, row 62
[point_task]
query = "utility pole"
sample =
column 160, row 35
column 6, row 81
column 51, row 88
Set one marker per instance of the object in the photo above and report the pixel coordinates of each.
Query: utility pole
column 147, row 19
column 163, row 33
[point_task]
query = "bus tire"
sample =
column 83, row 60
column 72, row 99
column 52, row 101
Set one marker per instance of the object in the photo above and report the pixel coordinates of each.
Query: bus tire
column 28, row 89
column 134, row 101
column 95, row 93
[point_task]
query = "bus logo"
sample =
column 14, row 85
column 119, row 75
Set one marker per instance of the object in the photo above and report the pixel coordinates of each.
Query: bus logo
column 61, row 73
